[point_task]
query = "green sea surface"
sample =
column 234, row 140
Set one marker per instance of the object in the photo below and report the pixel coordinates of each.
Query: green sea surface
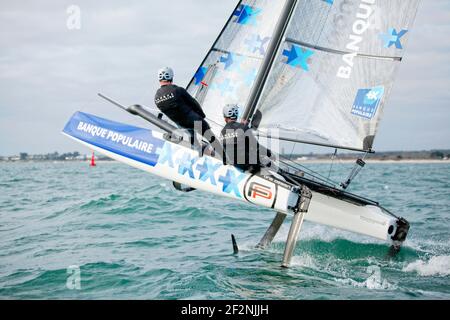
column 69, row 231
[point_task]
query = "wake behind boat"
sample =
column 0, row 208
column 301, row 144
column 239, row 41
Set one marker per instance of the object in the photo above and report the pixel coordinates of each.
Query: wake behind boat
column 319, row 71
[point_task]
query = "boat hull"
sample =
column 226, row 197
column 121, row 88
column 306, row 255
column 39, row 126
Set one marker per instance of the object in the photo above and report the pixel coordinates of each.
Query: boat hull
column 148, row 150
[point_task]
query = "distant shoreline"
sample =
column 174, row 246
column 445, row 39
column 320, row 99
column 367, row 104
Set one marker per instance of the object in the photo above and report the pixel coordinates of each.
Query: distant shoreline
column 303, row 161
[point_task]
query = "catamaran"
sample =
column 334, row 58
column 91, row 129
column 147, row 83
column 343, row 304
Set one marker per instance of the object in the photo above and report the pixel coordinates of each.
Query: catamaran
column 317, row 71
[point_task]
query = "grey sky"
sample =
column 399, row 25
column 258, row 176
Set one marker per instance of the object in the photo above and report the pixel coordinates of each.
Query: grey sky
column 48, row 72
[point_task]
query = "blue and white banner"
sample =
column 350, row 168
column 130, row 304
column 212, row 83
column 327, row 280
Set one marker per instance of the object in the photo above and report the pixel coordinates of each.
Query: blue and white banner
column 132, row 142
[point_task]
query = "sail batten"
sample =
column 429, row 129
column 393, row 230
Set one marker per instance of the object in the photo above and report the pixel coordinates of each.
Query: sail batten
column 314, row 143
column 319, row 48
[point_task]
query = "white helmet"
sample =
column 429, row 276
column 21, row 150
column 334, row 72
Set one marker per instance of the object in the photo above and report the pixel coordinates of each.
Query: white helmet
column 165, row 74
column 231, row 111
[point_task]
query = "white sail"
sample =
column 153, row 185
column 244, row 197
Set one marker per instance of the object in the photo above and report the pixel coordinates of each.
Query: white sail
column 229, row 70
column 335, row 69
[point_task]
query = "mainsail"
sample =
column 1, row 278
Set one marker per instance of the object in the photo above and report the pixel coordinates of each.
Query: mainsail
column 335, row 69
column 230, row 68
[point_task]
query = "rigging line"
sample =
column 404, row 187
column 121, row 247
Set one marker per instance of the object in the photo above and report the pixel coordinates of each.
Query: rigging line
column 292, row 152
column 332, row 162
column 311, row 172
column 318, row 175
column 298, row 166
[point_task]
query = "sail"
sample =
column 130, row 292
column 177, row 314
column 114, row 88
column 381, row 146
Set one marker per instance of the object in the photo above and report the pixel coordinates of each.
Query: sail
column 230, row 68
column 335, row 69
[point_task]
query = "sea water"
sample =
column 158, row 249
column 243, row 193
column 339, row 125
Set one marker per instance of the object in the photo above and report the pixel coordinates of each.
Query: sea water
column 69, row 231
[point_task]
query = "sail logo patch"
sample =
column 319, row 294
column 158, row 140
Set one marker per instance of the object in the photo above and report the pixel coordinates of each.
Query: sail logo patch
column 367, row 102
column 393, row 37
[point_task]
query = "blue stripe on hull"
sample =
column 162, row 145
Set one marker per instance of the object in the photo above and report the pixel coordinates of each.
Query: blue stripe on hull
column 128, row 141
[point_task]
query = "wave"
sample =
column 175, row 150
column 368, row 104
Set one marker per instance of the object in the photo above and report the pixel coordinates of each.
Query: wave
column 436, row 266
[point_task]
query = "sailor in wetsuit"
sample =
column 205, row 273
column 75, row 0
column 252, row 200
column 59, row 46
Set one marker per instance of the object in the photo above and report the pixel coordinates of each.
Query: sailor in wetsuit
column 241, row 148
column 177, row 104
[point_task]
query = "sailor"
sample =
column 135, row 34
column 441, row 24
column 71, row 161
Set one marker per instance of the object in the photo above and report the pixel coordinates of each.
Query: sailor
column 241, row 148
column 177, row 104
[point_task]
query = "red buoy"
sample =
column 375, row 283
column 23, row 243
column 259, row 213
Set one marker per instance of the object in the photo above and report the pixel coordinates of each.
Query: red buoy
column 93, row 160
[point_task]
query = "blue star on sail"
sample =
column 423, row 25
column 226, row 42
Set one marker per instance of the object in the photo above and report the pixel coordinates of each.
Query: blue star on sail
column 246, row 14
column 298, row 57
column 207, row 170
column 393, row 37
column 231, row 182
column 329, row 1
column 200, row 75
column 231, row 61
column 185, row 165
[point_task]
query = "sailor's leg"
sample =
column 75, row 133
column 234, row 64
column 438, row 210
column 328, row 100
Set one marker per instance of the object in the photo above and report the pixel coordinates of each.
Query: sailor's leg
column 272, row 231
column 297, row 221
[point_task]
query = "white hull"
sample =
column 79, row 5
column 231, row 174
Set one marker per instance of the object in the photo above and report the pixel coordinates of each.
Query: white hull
column 363, row 219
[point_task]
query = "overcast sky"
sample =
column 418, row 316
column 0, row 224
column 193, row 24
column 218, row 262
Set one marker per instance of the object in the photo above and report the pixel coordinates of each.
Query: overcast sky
column 47, row 72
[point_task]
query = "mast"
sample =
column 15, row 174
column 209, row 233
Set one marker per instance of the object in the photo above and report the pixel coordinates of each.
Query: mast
column 269, row 58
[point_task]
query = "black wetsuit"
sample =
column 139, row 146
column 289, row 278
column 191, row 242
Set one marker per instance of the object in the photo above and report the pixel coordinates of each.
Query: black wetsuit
column 177, row 104
column 241, row 148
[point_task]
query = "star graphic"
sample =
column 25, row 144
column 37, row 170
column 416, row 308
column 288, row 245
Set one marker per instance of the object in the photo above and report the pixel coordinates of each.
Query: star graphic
column 372, row 95
column 392, row 37
column 246, row 14
column 232, row 61
column 185, row 165
column 166, row 155
column 231, row 182
column 207, row 170
column 298, row 57
column 200, row 74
